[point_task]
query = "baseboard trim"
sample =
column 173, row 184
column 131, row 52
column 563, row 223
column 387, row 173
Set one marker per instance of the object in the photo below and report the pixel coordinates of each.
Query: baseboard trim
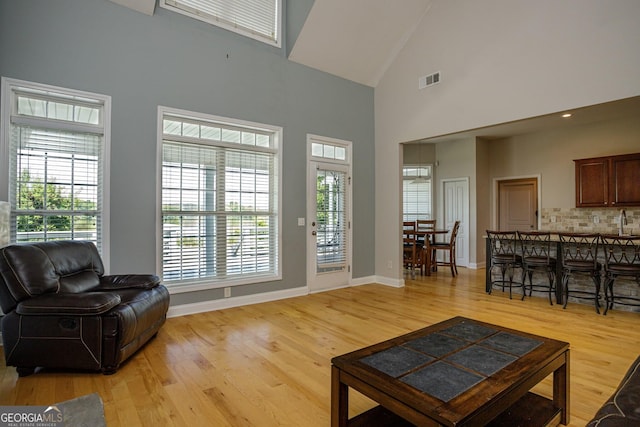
column 477, row 265
column 389, row 281
column 220, row 304
column 367, row 280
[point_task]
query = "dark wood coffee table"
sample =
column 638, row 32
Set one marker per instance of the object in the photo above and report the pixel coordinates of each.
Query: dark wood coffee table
column 459, row 372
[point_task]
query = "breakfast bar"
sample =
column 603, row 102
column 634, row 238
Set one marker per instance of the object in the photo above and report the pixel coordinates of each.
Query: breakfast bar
column 609, row 267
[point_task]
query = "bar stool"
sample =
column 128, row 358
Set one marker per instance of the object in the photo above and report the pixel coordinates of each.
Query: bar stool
column 502, row 248
column 579, row 254
column 621, row 260
column 536, row 256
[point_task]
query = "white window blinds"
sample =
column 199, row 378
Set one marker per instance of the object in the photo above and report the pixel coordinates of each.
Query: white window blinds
column 219, row 202
column 416, row 193
column 259, row 19
column 56, row 161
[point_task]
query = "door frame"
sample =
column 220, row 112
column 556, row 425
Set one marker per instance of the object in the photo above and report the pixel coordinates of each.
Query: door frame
column 312, row 276
column 495, row 199
column 466, row 213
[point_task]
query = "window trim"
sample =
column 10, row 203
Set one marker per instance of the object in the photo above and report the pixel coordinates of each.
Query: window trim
column 276, row 42
column 9, row 87
column 206, row 284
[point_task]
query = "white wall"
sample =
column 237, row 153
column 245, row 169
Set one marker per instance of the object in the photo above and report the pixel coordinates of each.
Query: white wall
column 457, row 159
column 500, row 60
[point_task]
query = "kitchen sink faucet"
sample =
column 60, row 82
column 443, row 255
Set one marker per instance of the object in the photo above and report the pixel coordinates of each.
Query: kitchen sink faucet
column 623, row 222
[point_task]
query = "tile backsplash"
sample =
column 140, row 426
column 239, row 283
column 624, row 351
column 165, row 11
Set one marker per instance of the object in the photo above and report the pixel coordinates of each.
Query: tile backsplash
column 589, row 220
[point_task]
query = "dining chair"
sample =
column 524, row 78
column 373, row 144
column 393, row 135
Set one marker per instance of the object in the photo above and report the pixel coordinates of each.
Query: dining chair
column 424, row 225
column 621, row 261
column 449, row 247
column 503, row 254
column 579, row 255
column 409, row 246
column 537, row 256
column 423, row 241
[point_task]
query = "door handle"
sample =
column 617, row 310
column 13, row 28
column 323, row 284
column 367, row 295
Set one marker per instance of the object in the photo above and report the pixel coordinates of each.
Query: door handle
column 313, row 233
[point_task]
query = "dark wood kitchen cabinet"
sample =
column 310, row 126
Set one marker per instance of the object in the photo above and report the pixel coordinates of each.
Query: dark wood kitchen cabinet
column 608, row 181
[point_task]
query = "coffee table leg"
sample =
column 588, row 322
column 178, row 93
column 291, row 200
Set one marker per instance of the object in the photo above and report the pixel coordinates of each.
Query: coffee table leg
column 339, row 400
column 561, row 389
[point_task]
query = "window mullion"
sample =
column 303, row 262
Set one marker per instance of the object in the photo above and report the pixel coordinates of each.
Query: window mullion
column 67, row 126
column 220, row 238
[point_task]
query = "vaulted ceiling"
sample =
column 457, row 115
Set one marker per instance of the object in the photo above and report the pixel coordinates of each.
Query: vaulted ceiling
column 357, row 39
column 144, row 6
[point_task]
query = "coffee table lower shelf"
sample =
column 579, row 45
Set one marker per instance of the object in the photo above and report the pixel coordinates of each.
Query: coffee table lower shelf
column 531, row 410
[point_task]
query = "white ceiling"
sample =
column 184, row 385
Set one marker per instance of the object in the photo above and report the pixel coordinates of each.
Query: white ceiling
column 145, row 6
column 357, row 39
column 608, row 111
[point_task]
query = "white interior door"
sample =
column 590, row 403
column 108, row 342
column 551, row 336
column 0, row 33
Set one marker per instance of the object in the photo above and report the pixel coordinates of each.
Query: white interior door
column 456, row 208
column 328, row 226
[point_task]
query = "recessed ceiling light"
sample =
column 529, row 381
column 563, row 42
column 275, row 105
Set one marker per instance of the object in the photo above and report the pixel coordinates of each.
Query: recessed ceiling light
column 565, row 115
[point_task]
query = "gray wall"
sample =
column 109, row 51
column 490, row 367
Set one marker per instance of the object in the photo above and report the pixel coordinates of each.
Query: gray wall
column 171, row 60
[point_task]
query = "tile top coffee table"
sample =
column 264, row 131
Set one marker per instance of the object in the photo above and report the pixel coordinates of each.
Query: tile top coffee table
column 459, row 372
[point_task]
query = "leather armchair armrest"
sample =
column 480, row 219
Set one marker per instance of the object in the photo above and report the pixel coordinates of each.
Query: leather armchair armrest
column 82, row 304
column 128, row 281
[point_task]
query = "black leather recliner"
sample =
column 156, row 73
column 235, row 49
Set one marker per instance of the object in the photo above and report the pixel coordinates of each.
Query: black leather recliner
column 61, row 311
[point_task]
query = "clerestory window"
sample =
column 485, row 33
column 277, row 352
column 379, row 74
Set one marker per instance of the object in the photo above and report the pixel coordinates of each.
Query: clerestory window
column 258, row 19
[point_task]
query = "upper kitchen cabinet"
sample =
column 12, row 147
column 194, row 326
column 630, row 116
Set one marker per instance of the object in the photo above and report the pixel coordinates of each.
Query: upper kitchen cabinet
column 608, row 181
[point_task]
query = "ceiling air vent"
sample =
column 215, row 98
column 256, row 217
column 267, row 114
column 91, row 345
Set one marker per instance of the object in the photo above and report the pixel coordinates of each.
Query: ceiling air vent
column 429, row 80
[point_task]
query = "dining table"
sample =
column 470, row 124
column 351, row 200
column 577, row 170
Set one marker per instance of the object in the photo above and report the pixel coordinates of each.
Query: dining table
column 427, row 235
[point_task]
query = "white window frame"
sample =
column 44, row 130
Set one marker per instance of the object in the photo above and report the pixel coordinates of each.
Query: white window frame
column 190, row 9
column 9, row 89
column 212, row 282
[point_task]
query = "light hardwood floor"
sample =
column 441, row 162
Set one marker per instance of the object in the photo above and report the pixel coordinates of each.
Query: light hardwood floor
column 269, row 364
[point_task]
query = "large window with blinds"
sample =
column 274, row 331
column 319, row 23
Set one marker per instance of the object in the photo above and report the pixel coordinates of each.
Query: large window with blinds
column 416, row 192
column 55, row 143
column 219, row 200
column 258, row 19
